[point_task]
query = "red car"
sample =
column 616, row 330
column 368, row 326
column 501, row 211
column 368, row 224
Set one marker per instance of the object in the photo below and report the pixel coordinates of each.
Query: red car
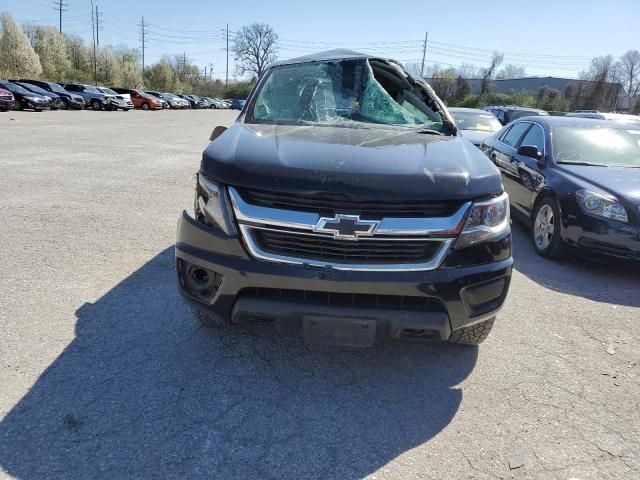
column 6, row 100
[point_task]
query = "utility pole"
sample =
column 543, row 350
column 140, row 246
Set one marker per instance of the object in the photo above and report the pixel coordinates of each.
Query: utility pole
column 97, row 27
column 205, row 74
column 95, row 60
column 143, row 34
column 226, row 83
column 60, row 7
column 424, row 53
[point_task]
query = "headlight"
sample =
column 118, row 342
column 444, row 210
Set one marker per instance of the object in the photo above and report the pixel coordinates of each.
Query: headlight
column 602, row 206
column 211, row 205
column 487, row 219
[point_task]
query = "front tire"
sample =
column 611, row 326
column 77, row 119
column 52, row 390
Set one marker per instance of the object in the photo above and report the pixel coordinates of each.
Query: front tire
column 96, row 105
column 474, row 334
column 145, row 106
column 545, row 229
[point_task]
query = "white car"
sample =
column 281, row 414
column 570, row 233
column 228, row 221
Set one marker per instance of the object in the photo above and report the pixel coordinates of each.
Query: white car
column 115, row 101
column 174, row 101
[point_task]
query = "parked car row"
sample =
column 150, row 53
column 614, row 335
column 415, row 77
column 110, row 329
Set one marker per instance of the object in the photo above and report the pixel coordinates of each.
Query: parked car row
column 40, row 95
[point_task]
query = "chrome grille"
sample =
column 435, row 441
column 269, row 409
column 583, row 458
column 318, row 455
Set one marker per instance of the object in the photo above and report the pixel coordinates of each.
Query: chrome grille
column 304, row 238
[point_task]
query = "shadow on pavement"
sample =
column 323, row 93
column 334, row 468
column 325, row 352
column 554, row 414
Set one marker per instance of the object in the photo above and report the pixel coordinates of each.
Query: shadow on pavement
column 613, row 281
column 145, row 391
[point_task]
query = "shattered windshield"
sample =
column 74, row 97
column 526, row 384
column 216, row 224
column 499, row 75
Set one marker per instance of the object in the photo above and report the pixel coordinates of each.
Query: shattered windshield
column 349, row 93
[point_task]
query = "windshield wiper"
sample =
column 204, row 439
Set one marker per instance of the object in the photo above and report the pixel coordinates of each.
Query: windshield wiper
column 428, row 131
column 583, row 163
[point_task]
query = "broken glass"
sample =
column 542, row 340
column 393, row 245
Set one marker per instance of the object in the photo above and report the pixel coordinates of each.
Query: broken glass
column 341, row 93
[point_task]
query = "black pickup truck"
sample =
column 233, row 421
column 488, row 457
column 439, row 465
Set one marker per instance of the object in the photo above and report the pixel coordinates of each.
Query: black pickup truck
column 343, row 203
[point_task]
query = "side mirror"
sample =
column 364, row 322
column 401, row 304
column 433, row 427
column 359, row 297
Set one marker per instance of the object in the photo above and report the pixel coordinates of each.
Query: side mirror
column 530, row 151
column 219, row 130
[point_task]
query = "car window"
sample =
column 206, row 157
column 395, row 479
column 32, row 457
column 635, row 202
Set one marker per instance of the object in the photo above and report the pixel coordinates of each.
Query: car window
column 515, row 114
column 596, row 145
column 72, row 88
column 535, row 137
column 515, row 132
column 484, row 122
column 501, row 115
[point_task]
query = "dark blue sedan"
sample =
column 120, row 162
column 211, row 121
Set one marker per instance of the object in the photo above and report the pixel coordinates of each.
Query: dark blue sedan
column 237, row 104
column 574, row 181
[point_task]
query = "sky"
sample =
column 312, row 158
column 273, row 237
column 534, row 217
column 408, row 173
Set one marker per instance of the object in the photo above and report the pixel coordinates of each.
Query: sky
column 556, row 38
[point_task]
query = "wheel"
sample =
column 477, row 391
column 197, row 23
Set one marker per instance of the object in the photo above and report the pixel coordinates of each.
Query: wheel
column 109, row 108
column 473, row 335
column 64, row 104
column 145, row 106
column 209, row 319
column 18, row 105
column 545, row 229
column 96, row 104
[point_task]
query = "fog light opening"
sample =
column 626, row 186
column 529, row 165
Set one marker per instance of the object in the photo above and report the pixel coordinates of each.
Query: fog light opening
column 199, row 275
column 198, row 282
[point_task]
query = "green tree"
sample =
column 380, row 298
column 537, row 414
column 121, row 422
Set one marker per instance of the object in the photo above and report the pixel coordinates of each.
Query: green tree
column 81, row 65
column 130, row 71
column 51, row 47
column 108, row 67
column 17, row 57
column 161, row 77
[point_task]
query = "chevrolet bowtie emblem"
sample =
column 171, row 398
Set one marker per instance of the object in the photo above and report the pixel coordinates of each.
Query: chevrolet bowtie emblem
column 346, row 227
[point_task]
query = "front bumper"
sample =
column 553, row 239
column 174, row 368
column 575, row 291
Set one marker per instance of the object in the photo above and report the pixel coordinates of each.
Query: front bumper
column 600, row 236
column 121, row 104
column 39, row 105
column 459, row 293
column 75, row 104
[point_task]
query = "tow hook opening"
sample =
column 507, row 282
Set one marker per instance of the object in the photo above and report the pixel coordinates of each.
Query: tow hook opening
column 419, row 333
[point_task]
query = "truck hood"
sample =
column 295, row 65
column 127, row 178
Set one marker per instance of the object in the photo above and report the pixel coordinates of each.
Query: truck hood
column 377, row 163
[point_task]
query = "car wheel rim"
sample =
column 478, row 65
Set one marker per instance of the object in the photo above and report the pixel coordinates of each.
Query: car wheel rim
column 544, row 227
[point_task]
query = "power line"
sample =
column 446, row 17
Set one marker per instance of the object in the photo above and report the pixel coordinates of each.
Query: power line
column 60, row 7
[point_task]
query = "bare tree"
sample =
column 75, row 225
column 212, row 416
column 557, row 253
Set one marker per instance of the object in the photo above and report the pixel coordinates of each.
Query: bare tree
column 487, row 73
column 511, row 71
column 630, row 62
column 604, row 74
column 255, row 47
column 468, row 70
column 414, row 69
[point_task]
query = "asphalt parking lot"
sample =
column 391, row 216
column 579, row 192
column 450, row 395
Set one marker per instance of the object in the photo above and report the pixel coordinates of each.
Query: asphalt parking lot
column 104, row 373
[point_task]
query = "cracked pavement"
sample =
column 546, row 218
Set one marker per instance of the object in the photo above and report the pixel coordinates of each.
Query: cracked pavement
column 105, row 374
